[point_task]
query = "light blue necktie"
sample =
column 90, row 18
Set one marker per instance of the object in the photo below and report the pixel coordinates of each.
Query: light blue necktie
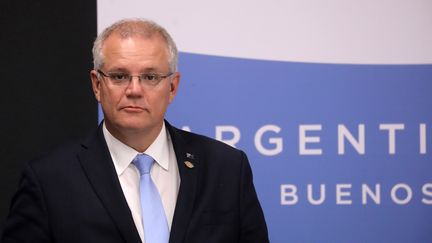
column 153, row 214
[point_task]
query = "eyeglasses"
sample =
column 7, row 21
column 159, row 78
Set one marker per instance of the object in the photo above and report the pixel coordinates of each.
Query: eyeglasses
column 124, row 79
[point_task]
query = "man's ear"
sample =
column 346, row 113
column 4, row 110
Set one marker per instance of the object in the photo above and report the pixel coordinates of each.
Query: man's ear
column 95, row 84
column 174, row 84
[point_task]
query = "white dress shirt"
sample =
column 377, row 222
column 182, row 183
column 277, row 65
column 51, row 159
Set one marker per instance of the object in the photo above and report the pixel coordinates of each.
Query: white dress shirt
column 165, row 174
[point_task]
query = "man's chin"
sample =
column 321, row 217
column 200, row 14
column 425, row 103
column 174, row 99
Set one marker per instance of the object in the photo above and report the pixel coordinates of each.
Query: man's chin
column 133, row 124
column 137, row 126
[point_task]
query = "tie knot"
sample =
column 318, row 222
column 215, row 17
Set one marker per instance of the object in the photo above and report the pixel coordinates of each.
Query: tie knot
column 143, row 162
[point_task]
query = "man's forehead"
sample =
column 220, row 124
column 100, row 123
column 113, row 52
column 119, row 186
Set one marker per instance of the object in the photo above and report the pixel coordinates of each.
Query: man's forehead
column 146, row 53
column 119, row 39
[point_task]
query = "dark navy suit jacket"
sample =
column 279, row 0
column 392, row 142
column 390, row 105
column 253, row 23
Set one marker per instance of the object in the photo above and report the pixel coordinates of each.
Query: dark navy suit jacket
column 74, row 195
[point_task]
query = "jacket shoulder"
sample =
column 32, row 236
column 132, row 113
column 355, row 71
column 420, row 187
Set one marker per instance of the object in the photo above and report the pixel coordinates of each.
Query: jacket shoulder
column 208, row 149
column 59, row 156
column 205, row 141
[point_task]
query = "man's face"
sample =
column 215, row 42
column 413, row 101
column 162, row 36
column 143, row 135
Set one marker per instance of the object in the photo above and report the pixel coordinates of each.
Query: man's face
column 136, row 107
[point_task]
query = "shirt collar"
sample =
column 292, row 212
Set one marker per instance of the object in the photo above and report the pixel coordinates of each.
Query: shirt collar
column 122, row 155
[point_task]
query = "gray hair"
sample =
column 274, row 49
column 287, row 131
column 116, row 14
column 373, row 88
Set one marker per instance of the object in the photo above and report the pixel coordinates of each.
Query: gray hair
column 133, row 27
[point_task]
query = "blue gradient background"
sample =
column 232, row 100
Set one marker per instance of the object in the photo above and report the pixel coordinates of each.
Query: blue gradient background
column 249, row 94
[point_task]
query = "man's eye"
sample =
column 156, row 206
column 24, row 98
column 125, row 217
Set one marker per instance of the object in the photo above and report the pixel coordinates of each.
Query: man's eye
column 119, row 76
column 150, row 77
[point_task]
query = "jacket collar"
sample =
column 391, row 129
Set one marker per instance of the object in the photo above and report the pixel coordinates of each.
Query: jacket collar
column 189, row 167
column 97, row 164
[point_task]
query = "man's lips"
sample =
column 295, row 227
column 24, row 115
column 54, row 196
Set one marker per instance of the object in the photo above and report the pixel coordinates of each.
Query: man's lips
column 132, row 108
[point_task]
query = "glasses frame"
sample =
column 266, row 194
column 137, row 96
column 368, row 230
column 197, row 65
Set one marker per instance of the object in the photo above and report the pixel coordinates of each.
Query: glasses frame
column 141, row 78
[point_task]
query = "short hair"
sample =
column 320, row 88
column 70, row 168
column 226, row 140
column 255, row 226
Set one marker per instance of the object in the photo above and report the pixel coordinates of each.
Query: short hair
column 133, row 27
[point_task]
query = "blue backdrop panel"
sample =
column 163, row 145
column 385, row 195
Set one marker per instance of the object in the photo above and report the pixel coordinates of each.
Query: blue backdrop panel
column 383, row 194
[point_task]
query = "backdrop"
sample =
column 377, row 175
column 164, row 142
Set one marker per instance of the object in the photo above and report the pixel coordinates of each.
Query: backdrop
column 46, row 96
column 330, row 99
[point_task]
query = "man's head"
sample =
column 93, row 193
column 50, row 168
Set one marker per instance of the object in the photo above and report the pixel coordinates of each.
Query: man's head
column 134, row 27
column 135, row 78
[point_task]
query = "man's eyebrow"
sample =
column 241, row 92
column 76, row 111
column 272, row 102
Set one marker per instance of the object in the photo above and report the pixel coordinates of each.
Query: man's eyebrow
column 118, row 70
column 125, row 70
column 149, row 70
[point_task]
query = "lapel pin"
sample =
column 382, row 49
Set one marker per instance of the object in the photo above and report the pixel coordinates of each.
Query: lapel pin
column 189, row 164
column 190, row 156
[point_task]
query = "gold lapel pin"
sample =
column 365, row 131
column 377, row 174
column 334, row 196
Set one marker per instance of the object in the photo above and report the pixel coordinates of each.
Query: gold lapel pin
column 189, row 164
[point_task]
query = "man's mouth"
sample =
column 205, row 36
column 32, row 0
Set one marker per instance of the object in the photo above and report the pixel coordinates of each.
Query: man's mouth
column 132, row 108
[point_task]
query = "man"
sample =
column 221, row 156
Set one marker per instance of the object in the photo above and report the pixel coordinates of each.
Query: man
column 199, row 190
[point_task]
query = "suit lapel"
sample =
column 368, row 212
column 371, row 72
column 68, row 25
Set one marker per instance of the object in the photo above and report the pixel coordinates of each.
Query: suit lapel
column 99, row 168
column 189, row 166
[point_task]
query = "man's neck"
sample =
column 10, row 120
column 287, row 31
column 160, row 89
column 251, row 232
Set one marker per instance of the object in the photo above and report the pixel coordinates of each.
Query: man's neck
column 139, row 140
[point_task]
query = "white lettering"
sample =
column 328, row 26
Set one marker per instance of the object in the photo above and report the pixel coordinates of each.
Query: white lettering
column 340, row 193
column 310, row 195
column 375, row 196
column 186, row 128
column 395, row 197
column 269, row 140
column 422, row 138
column 392, row 135
column 358, row 144
column 220, row 130
column 288, row 194
column 303, row 139
column 278, row 142
column 427, row 191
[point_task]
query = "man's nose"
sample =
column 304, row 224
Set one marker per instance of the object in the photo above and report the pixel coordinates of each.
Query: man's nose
column 134, row 88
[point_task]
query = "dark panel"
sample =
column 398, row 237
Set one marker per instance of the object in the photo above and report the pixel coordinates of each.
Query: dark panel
column 46, row 96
